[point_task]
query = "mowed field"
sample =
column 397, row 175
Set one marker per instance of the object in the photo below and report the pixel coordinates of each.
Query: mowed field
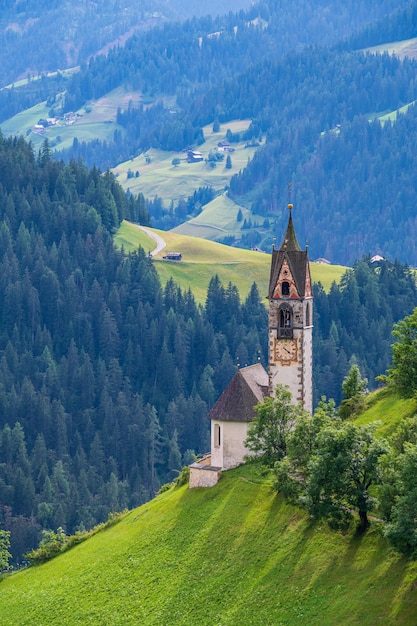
column 97, row 121
column 158, row 177
column 217, row 219
column 203, row 259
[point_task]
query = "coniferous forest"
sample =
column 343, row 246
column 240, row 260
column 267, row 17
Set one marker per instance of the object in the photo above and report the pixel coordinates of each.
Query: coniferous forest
column 106, row 376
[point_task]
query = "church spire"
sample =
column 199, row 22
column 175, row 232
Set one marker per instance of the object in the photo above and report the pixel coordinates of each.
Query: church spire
column 290, row 243
column 290, row 315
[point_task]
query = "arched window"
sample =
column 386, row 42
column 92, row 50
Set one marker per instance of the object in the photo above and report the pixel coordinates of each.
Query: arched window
column 285, row 328
column 217, row 436
column 285, row 289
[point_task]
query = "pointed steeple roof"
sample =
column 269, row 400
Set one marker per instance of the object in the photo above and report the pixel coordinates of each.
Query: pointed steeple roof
column 295, row 258
column 290, row 242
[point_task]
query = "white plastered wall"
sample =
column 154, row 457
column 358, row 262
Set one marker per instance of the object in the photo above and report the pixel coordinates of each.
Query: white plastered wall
column 231, row 451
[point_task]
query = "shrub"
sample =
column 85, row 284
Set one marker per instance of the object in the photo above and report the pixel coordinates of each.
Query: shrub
column 165, row 488
column 183, row 477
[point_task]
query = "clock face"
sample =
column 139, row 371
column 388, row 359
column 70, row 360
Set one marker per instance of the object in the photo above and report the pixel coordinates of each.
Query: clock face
column 286, row 350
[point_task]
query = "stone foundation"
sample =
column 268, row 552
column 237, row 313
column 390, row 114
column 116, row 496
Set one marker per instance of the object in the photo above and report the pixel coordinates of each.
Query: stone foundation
column 203, row 474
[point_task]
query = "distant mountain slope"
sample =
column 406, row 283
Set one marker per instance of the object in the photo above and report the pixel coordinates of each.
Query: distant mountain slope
column 98, row 28
column 232, row 554
column 71, row 31
column 304, row 107
column 174, row 58
column 401, row 25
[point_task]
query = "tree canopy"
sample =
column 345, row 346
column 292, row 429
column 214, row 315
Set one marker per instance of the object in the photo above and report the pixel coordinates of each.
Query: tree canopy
column 5, row 555
column 274, row 420
column 403, row 371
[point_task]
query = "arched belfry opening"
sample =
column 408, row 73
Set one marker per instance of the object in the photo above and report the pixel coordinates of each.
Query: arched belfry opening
column 285, row 326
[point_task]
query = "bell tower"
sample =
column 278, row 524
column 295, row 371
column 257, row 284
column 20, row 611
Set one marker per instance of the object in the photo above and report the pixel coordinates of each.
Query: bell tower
column 290, row 320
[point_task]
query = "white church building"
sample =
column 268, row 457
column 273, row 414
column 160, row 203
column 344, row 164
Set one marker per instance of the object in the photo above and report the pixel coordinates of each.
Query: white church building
column 290, row 314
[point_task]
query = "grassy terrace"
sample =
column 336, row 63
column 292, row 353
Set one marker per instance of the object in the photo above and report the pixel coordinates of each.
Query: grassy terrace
column 202, row 259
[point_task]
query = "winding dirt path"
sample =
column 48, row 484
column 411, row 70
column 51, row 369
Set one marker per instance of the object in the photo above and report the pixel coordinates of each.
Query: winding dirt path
column 160, row 243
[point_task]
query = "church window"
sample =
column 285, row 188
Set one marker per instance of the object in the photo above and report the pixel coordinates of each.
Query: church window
column 308, row 320
column 285, row 288
column 217, row 435
column 285, row 328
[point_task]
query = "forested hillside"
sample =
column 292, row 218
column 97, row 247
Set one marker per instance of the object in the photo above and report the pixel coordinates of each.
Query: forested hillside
column 401, row 25
column 353, row 323
column 310, row 108
column 106, row 378
column 189, row 60
column 70, row 32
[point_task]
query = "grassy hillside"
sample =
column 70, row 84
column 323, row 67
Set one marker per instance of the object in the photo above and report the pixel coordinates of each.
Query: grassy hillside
column 388, row 409
column 404, row 48
column 217, row 219
column 97, row 121
column 159, row 177
column 232, row 555
column 203, row 259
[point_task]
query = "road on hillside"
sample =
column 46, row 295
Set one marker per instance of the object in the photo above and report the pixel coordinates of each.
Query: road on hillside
column 160, row 243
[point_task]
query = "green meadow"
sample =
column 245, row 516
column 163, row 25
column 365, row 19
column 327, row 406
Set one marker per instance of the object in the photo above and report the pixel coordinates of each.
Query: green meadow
column 386, row 408
column 203, row 259
column 217, row 219
column 158, row 177
column 405, row 47
column 97, row 121
column 235, row 554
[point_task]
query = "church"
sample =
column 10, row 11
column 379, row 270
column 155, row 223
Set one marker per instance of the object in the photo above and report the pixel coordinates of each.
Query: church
column 290, row 362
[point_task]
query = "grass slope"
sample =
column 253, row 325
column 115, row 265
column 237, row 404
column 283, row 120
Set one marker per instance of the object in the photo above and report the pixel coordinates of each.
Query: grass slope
column 202, row 259
column 218, row 219
column 98, row 123
column 388, row 409
column 159, row 177
column 231, row 555
column 402, row 49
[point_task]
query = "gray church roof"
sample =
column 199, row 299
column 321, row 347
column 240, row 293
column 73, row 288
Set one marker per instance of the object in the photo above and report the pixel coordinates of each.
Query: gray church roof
column 236, row 404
